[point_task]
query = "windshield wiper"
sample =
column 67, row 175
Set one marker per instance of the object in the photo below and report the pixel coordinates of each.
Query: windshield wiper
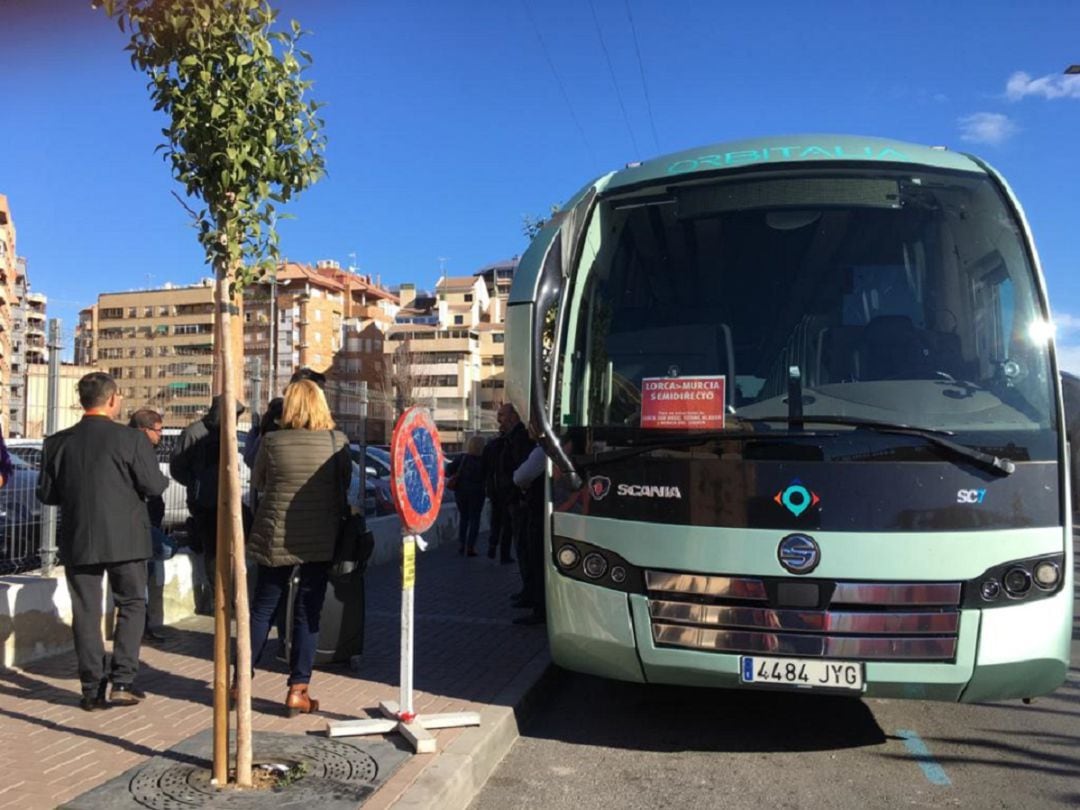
column 674, row 442
column 988, row 461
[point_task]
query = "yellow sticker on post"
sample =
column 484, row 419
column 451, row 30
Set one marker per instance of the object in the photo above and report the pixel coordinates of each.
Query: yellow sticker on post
column 408, row 564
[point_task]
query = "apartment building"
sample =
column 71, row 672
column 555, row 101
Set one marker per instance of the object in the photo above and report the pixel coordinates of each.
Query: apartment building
column 327, row 319
column 8, row 272
column 85, row 332
column 158, row 345
column 29, row 350
column 447, row 352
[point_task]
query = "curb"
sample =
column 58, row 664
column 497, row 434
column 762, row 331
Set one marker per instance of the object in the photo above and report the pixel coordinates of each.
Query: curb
column 460, row 771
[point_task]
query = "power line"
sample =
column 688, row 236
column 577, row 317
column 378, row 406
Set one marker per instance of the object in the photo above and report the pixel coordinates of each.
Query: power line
column 614, row 82
column 641, row 68
column 558, row 81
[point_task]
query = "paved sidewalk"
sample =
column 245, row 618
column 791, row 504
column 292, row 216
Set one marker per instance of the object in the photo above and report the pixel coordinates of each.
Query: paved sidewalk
column 468, row 651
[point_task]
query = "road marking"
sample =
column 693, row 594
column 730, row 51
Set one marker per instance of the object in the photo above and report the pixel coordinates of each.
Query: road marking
column 933, row 772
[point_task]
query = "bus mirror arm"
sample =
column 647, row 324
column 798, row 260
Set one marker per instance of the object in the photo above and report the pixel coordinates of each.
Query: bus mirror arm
column 547, row 297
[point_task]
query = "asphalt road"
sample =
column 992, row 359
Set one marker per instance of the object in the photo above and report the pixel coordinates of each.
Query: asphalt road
column 596, row 743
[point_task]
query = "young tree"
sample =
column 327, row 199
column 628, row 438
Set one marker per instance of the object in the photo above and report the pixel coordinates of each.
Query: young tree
column 242, row 136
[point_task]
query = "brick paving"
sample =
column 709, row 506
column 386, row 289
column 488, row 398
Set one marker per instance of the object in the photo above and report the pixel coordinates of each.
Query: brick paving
column 468, row 650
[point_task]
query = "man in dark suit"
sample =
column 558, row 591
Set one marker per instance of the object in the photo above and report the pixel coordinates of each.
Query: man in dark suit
column 99, row 472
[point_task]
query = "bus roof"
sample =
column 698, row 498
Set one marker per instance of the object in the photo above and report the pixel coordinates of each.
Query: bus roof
column 788, row 149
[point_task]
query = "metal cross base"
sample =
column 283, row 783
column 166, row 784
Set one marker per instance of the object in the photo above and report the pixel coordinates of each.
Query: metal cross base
column 415, row 731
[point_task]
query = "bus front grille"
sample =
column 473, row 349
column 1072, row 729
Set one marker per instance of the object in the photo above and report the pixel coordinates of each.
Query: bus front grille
column 861, row 621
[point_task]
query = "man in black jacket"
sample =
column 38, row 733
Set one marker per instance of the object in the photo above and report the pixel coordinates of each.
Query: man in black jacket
column 99, row 472
column 148, row 422
column 195, row 464
column 515, row 450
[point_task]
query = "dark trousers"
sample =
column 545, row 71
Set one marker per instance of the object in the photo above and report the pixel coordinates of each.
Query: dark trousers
column 534, row 553
column 519, row 523
column 127, row 581
column 529, row 544
column 271, row 597
column 470, row 506
column 502, row 536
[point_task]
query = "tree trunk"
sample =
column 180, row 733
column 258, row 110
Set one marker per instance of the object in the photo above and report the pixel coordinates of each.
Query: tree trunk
column 222, row 600
column 231, row 530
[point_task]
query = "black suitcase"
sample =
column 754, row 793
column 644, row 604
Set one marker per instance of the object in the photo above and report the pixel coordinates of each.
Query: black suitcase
column 341, row 625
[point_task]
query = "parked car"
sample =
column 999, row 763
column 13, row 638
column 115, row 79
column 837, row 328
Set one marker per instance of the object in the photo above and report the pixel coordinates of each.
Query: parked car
column 376, row 474
column 20, row 516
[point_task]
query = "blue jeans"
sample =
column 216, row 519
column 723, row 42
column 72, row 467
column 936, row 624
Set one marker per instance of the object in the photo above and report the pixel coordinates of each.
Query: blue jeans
column 271, row 596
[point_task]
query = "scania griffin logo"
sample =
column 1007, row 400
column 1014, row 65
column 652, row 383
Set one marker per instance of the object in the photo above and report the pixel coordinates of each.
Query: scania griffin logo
column 599, row 487
column 798, row 553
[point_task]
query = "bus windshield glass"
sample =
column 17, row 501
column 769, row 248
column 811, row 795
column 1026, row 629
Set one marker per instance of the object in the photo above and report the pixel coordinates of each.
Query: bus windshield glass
column 905, row 297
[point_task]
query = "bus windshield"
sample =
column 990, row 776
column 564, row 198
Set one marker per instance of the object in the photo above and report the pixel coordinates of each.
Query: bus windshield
column 904, row 297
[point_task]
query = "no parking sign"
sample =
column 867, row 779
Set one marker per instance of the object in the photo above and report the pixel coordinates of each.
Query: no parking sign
column 416, row 483
column 416, row 480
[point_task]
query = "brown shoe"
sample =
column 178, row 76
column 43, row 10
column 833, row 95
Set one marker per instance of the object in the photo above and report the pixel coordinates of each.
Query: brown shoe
column 298, row 701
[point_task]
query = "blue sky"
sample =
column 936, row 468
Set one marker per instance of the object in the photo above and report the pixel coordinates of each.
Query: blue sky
column 448, row 121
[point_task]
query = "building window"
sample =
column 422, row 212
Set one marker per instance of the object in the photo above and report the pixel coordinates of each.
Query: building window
column 148, row 312
column 498, row 337
column 112, row 314
column 459, row 320
column 468, row 298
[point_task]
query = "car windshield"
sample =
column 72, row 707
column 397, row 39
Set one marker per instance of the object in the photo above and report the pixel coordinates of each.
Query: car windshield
column 901, row 297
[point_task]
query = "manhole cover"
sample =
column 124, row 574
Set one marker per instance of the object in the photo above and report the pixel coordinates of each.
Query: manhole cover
column 337, row 774
column 331, row 766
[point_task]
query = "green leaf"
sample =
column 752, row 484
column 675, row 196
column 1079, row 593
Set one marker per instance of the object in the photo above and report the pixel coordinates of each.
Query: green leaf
column 271, row 136
column 216, row 110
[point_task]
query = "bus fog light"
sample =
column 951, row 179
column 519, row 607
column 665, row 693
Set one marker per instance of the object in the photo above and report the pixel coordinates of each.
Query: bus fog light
column 1017, row 581
column 1047, row 574
column 618, row 575
column 990, row 590
column 594, row 565
column 568, row 557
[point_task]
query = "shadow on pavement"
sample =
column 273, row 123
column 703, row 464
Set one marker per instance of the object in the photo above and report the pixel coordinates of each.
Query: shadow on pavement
column 583, row 710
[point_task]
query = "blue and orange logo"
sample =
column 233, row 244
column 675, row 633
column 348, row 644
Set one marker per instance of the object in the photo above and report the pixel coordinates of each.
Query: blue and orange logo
column 797, row 498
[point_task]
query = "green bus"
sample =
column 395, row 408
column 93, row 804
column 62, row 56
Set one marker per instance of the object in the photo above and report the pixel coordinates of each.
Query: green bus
column 805, row 422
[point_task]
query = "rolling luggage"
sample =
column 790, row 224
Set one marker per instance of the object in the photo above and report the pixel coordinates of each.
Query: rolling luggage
column 341, row 625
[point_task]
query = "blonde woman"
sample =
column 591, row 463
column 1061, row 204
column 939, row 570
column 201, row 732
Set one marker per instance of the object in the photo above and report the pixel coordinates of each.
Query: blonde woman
column 468, row 473
column 302, row 473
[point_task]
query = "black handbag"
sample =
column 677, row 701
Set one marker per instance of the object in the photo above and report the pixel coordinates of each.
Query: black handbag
column 355, row 542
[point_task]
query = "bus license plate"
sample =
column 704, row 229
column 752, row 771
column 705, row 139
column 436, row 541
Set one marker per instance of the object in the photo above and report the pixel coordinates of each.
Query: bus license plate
column 802, row 672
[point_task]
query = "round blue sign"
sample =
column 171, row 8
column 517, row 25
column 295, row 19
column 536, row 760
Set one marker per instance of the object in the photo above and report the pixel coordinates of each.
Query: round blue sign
column 417, row 480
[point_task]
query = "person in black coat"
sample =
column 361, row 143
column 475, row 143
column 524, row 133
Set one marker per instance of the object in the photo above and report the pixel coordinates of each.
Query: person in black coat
column 467, row 472
column 194, row 465
column 100, row 474
column 148, row 422
column 516, row 448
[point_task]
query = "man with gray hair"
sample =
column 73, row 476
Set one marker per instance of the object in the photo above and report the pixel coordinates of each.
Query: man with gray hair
column 99, row 473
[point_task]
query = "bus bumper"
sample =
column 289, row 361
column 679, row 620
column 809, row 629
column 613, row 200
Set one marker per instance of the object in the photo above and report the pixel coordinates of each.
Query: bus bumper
column 590, row 630
column 1023, row 649
column 923, row 681
column 1017, row 651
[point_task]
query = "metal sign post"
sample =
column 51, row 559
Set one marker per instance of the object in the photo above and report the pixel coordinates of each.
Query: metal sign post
column 417, row 484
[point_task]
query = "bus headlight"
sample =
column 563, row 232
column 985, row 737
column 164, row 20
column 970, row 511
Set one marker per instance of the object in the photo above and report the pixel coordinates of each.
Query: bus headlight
column 594, row 566
column 1046, row 575
column 1017, row 581
column 990, row 590
column 568, row 557
column 618, row 575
